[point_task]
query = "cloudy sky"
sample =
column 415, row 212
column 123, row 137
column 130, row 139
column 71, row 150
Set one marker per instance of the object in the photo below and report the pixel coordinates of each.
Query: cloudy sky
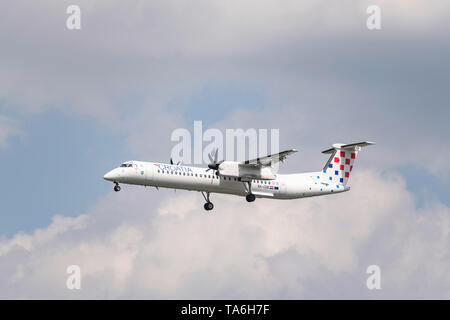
column 74, row 104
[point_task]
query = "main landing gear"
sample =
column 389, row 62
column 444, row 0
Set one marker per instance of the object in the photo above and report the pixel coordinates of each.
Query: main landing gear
column 250, row 197
column 208, row 205
column 116, row 187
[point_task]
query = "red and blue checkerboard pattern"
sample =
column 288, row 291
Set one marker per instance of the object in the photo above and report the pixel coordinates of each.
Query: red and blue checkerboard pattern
column 340, row 166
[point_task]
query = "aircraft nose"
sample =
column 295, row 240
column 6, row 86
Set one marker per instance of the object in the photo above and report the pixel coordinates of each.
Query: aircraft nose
column 110, row 176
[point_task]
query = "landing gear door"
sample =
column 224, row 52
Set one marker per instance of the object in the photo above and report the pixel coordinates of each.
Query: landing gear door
column 283, row 188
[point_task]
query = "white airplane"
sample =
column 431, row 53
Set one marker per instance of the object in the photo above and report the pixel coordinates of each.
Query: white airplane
column 252, row 179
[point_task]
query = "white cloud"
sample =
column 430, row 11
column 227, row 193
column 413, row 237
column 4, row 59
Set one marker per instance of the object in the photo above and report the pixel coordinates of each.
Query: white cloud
column 41, row 237
column 267, row 249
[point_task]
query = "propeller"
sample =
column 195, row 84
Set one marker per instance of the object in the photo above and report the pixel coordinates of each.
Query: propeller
column 214, row 164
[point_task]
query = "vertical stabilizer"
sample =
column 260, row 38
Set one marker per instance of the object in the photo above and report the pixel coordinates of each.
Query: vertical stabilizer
column 339, row 166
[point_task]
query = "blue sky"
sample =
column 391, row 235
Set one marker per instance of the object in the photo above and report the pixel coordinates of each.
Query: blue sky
column 55, row 167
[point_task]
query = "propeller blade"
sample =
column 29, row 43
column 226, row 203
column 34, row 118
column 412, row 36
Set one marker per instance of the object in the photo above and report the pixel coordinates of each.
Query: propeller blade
column 171, row 161
column 210, row 158
column 215, row 155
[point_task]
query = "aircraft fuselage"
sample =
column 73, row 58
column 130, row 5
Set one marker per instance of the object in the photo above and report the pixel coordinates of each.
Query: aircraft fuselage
column 284, row 186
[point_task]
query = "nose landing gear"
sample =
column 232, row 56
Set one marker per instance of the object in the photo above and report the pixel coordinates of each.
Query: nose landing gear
column 208, row 206
column 116, row 187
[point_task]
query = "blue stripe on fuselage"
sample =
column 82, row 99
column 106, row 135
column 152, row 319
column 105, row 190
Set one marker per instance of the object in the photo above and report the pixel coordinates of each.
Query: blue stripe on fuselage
column 170, row 167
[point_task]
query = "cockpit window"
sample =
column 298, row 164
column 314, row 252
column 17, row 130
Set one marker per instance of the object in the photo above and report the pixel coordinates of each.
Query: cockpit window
column 126, row 165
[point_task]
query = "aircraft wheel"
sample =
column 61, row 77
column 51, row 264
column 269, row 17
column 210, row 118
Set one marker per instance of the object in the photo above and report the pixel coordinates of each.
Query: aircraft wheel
column 208, row 206
column 117, row 188
column 250, row 197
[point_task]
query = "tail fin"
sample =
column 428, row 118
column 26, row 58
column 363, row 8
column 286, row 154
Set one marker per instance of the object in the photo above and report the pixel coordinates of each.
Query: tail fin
column 340, row 164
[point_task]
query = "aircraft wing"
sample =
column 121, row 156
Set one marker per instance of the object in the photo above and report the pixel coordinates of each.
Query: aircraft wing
column 268, row 160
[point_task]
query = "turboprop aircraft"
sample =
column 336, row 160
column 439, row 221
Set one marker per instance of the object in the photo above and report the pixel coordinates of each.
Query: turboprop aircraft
column 252, row 178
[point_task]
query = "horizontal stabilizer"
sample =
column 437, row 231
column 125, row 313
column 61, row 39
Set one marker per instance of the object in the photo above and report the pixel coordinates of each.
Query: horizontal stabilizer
column 348, row 146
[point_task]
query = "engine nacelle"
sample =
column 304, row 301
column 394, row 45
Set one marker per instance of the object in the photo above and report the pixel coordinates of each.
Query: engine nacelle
column 234, row 169
column 229, row 168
